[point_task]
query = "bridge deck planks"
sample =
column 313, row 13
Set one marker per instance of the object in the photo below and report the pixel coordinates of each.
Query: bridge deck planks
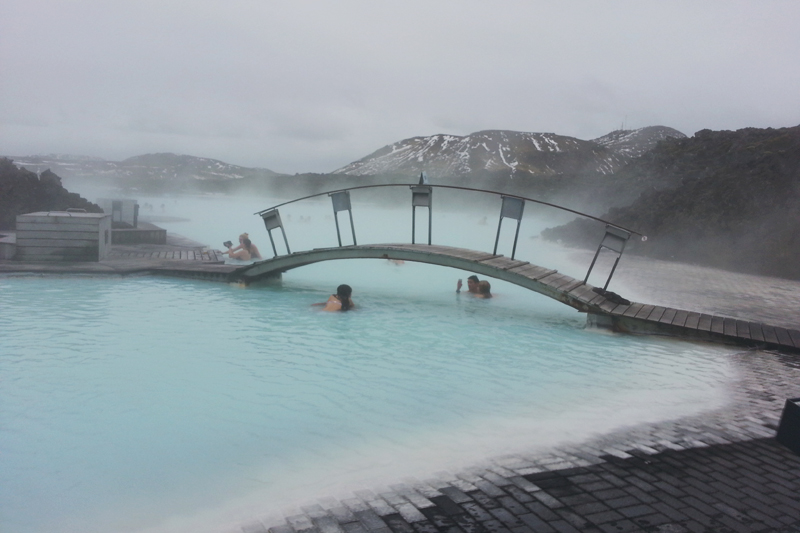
column 582, row 293
column 504, row 263
column 645, row 311
column 533, row 272
column 783, row 336
column 756, row 332
column 658, row 312
column 743, row 329
column 633, row 309
column 571, row 285
column 704, row 324
column 668, row 316
column 680, row 318
column 693, row 320
column 620, row 309
column 769, row 334
column 558, row 283
column 795, row 335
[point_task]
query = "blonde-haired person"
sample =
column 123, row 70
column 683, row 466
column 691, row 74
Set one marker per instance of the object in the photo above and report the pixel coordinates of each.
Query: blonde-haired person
column 484, row 290
column 245, row 251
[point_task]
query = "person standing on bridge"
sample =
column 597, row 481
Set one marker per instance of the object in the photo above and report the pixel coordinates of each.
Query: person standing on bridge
column 472, row 285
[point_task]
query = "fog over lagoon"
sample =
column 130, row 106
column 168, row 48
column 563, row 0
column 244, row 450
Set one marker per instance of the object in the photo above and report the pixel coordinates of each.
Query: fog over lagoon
column 310, row 87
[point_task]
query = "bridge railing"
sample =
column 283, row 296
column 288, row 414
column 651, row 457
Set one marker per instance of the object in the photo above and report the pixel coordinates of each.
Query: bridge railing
column 512, row 207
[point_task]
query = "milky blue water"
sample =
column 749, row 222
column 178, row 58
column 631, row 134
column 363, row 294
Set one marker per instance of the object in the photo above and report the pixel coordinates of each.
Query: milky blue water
column 156, row 404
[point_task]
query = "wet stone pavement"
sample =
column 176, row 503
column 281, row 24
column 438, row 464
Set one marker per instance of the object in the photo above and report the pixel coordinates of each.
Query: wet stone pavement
column 720, row 471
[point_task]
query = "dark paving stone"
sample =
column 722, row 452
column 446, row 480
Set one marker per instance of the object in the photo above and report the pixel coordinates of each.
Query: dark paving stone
column 578, row 499
column 565, row 490
column 542, row 511
column 518, row 494
column 484, row 500
column 604, row 517
column 468, row 524
column 439, row 517
column 495, row 526
column 562, row 526
column 427, row 527
column 636, row 510
column 509, row 503
column 536, row 523
column 620, row 526
column 609, row 494
column 455, row 494
column 507, row 518
column 694, row 490
column 445, row 504
column 476, row 511
column 370, row 519
column 353, row 527
column 397, row 524
column 590, row 508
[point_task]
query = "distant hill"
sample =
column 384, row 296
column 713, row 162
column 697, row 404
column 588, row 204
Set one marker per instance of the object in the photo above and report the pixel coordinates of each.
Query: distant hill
column 22, row 191
column 544, row 165
column 729, row 199
column 511, row 154
column 163, row 171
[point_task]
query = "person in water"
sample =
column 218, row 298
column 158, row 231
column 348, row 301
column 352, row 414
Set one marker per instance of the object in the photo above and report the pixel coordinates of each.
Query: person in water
column 340, row 301
column 484, row 290
column 472, row 285
column 245, row 251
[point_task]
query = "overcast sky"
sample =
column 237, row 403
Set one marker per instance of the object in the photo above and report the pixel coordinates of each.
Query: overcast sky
column 301, row 86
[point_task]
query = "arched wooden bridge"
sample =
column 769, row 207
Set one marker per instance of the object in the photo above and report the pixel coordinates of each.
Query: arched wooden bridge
column 542, row 280
column 631, row 318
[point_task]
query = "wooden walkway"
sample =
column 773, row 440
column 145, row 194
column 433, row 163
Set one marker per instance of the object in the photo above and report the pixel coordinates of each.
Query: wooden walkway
column 190, row 261
column 181, row 258
column 164, row 252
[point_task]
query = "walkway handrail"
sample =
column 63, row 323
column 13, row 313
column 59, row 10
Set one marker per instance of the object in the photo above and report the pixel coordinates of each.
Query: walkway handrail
column 573, row 211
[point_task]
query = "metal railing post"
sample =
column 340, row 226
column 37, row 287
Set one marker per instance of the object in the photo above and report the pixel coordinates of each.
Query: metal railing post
column 421, row 196
column 614, row 240
column 341, row 202
column 512, row 207
column 272, row 220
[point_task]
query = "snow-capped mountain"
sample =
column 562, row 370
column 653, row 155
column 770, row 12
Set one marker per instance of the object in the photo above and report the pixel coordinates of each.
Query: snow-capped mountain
column 633, row 143
column 509, row 152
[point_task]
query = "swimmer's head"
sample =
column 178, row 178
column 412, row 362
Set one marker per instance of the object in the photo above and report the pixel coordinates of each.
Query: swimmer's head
column 485, row 289
column 472, row 284
column 244, row 236
column 343, row 292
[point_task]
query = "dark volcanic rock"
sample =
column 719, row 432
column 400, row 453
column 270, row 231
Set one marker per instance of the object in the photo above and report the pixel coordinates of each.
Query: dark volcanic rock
column 729, row 199
column 22, row 191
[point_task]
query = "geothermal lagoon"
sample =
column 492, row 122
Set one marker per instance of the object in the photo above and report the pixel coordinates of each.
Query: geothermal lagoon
column 143, row 403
